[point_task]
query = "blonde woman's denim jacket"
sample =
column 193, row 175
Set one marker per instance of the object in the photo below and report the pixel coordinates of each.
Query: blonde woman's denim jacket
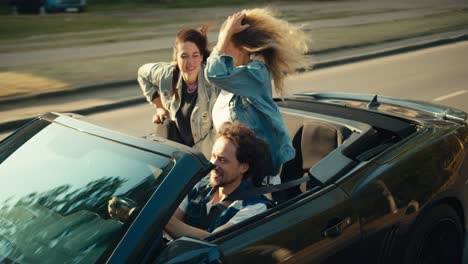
column 157, row 78
column 252, row 103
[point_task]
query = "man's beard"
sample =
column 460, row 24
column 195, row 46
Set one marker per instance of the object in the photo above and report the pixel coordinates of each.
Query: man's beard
column 221, row 181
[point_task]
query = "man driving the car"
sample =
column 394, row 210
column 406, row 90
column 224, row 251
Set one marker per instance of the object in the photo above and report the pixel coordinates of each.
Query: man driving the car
column 220, row 199
column 241, row 161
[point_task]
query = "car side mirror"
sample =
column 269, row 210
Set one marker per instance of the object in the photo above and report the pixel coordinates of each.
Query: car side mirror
column 187, row 250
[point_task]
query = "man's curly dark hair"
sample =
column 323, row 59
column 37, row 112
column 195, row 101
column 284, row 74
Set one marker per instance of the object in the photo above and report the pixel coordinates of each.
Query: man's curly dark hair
column 249, row 149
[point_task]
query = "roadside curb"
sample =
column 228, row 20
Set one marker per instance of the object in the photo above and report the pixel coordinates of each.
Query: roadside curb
column 11, row 125
column 68, row 91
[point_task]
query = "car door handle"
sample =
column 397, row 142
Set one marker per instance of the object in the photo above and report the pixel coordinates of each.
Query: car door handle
column 336, row 226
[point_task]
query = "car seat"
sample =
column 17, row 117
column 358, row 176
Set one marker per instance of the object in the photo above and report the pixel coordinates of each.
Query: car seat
column 312, row 141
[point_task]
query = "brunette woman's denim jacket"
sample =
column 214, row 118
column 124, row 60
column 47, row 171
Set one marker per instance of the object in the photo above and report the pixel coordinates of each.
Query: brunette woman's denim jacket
column 157, row 78
column 252, row 103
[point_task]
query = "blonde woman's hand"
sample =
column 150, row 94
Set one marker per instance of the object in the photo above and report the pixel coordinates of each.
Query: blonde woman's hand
column 160, row 115
column 233, row 24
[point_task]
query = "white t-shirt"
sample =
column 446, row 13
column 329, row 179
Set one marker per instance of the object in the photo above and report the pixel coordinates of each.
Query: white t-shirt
column 222, row 114
column 221, row 111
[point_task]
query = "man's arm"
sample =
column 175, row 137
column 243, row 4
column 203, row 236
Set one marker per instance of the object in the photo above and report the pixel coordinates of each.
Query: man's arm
column 179, row 214
column 226, row 225
column 177, row 228
column 243, row 214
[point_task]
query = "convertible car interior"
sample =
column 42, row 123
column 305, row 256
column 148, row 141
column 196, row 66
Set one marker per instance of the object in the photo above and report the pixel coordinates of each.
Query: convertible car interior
column 330, row 142
column 313, row 139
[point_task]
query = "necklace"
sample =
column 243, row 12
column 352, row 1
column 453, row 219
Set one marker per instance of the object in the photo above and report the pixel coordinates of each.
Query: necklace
column 191, row 87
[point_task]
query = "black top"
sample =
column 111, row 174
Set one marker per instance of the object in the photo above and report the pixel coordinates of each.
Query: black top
column 184, row 114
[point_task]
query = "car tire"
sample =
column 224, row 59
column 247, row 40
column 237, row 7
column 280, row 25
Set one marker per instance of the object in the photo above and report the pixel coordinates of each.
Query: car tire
column 437, row 238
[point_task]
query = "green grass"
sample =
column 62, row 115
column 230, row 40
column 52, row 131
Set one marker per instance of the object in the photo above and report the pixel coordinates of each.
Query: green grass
column 99, row 16
column 330, row 38
column 14, row 27
column 107, row 15
column 120, row 5
column 116, row 28
column 106, row 26
column 125, row 5
column 28, row 25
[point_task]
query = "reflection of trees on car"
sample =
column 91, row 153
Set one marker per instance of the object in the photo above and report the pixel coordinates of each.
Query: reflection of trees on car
column 64, row 200
column 64, row 219
column 79, row 237
column 56, row 183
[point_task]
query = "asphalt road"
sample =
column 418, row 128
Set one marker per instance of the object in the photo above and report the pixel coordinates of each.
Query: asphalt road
column 437, row 74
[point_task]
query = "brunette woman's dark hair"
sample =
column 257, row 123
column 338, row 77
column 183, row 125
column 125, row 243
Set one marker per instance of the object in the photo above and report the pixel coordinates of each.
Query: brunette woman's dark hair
column 197, row 37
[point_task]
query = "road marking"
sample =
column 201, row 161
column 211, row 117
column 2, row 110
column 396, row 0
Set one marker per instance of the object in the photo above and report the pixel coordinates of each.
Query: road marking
column 445, row 97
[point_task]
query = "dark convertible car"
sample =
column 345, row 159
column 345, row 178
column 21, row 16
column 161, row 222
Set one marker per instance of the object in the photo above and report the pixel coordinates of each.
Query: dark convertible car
column 375, row 180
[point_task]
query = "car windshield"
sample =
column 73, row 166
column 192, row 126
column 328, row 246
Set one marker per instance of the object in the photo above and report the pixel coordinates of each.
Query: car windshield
column 55, row 184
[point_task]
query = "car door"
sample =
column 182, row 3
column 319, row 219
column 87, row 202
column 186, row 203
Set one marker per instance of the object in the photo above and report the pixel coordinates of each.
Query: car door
column 312, row 228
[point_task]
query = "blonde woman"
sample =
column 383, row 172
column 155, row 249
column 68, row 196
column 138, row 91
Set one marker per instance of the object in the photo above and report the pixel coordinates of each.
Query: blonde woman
column 254, row 49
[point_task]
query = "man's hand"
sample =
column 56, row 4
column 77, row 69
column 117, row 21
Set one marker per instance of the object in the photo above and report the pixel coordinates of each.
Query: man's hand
column 118, row 210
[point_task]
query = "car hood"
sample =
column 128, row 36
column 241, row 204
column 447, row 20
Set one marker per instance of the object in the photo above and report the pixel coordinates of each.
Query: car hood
column 412, row 109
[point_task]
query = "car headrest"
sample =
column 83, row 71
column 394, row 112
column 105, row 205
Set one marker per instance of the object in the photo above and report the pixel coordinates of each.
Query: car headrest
column 319, row 139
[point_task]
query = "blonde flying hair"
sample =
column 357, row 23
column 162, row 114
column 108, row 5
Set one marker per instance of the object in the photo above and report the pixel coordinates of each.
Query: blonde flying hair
column 280, row 44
